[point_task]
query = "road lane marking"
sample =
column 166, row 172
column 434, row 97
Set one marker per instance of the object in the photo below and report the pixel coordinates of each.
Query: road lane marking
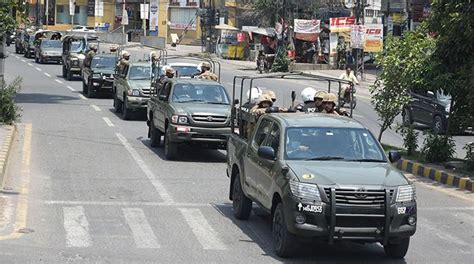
column 82, row 97
column 23, row 60
column 141, row 229
column 29, row 64
column 162, row 192
column 58, row 81
column 96, row 108
column 130, row 204
column 70, row 88
column 38, row 69
column 203, row 231
column 16, row 57
column 108, row 122
column 47, row 74
column 76, row 227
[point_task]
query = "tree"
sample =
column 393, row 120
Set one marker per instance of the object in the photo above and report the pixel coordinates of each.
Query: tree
column 405, row 63
column 452, row 22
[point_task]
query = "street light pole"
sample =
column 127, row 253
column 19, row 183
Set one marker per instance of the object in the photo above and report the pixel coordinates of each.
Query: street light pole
column 46, row 13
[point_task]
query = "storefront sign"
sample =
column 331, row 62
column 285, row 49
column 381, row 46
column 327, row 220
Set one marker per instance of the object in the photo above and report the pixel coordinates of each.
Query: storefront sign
column 153, row 15
column 357, row 36
column 307, row 26
column 184, row 3
column 182, row 26
column 342, row 24
column 373, row 38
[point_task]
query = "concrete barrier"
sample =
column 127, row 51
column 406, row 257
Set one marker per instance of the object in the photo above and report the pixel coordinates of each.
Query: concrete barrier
column 153, row 42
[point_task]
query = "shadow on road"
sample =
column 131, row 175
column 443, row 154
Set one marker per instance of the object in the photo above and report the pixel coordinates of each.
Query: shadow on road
column 41, row 98
column 258, row 229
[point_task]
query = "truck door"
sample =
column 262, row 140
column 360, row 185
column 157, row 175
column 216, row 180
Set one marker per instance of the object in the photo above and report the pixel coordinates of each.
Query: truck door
column 253, row 164
column 162, row 105
column 266, row 174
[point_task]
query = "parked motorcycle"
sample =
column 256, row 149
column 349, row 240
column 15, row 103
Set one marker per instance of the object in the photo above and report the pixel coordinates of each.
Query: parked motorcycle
column 349, row 97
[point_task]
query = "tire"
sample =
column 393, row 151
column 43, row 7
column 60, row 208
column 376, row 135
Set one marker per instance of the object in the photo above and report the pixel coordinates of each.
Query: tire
column 285, row 242
column 90, row 90
column 241, row 204
column 407, row 120
column 36, row 60
column 438, row 125
column 171, row 149
column 68, row 75
column 117, row 104
column 397, row 250
column 64, row 71
column 17, row 50
column 125, row 111
column 155, row 135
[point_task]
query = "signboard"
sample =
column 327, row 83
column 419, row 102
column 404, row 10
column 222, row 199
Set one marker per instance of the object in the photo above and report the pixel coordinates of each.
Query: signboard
column 72, row 7
column 182, row 26
column 373, row 38
column 124, row 17
column 153, row 22
column 342, row 24
column 144, row 10
column 91, row 7
column 307, row 26
column 357, row 36
column 184, row 3
column 99, row 8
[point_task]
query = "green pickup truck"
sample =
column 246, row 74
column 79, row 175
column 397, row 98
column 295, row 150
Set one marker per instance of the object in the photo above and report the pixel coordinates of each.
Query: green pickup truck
column 323, row 177
column 99, row 78
column 189, row 111
column 131, row 89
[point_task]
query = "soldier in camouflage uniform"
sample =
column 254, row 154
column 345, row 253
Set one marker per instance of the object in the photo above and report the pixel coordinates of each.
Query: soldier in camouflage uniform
column 90, row 55
column 123, row 64
column 206, row 72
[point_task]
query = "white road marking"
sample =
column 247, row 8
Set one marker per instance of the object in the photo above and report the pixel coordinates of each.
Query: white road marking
column 162, row 192
column 58, row 81
column 47, row 74
column 108, row 122
column 128, row 204
column 16, row 57
column 96, row 108
column 141, row 229
column 82, row 97
column 30, row 64
column 23, row 60
column 77, row 227
column 70, row 88
column 203, row 231
column 38, row 69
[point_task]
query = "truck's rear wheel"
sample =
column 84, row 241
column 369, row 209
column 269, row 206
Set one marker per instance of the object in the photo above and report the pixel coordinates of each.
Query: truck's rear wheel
column 397, row 250
column 171, row 149
column 64, row 71
column 155, row 135
column 241, row 204
column 285, row 242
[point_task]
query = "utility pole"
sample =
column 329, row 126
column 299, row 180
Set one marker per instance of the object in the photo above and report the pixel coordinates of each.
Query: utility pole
column 359, row 13
column 46, row 13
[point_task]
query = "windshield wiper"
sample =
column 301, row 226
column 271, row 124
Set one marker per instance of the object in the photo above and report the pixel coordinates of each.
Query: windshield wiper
column 220, row 103
column 367, row 160
column 192, row 100
column 326, row 158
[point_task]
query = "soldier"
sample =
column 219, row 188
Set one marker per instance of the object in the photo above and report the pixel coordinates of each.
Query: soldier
column 206, row 72
column 90, row 55
column 264, row 106
column 123, row 63
column 329, row 104
column 169, row 73
column 318, row 100
column 272, row 95
column 308, row 105
column 246, row 118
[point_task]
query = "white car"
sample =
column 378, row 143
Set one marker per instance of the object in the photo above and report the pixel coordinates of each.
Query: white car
column 82, row 29
column 184, row 69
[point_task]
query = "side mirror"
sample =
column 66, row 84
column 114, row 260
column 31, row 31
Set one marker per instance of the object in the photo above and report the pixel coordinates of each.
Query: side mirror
column 394, row 156
column 236, row 102
column 266, row 153
column 162, row 97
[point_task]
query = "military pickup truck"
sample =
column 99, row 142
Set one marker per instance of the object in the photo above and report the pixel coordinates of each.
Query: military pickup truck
column 131, row 90
column 324, row 177
column 99, row 77
column 189, row 111
column 75, row 47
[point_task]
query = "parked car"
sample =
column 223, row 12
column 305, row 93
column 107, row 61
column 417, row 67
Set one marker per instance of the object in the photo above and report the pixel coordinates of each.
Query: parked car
column 82, row 29
column 49, row 50
column 428, row 108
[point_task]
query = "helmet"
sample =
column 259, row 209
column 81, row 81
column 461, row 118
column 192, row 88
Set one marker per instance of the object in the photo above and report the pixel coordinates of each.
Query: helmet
column 330, row 98
column 206, row 65
column 308, row 94
column 271, row 94
column 155, row 55
column 168, row 69
column 256, row 92
column 125, row 53
column 320, row 94
column 264, row 98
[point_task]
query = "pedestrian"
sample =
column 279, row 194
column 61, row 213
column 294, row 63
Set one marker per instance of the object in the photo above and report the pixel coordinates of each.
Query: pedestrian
column 90, row 55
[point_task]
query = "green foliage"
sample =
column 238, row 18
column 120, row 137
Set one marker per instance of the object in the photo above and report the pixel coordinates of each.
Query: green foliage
column 438, row 148
column 7, row 21
column 410, row 138
column 281, row 62
column 405, row 65
column 9, row 111
column 452, row 22
column 469, row 155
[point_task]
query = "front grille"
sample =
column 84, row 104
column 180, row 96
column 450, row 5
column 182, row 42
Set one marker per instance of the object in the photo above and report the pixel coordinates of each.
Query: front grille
column 357, row 221
column 355, row 197
column 210, row 118
column 205, row 136
column 145, row 91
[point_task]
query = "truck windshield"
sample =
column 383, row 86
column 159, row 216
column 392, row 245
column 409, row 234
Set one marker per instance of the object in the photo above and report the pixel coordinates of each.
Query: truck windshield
column 186, row 70
column 103, row 62
column 322, row 143
column 211, row 94
column 140, row 73
column 76, row 46
column 48, row 44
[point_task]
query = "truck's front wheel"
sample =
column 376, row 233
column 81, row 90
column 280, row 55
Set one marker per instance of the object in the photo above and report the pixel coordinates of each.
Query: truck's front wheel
column 285, row 242
column 397, row 250
column 171, row 149
column 241, row 204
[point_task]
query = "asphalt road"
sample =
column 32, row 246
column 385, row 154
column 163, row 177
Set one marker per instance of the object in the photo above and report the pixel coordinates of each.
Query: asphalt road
column 87, row 188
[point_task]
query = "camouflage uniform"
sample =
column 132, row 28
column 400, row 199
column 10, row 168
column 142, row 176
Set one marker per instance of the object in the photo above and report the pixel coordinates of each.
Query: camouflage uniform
column 208, row 75
column 89, row 56
column 257, row 111
column 330, row 98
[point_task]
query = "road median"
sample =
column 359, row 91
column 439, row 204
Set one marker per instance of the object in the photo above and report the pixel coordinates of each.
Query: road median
column 7, row 134
column 464, row 183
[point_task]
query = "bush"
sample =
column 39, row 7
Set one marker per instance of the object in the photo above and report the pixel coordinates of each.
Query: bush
column 9, row 111
column 410, row 138
column 469, row 155
column 438, row 148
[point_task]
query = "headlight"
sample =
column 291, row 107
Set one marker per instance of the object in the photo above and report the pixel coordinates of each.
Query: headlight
column 96, row 76
column 81, row 56
column 179, row 119
column 406, row 193
column 305, row 191
column 134, row 92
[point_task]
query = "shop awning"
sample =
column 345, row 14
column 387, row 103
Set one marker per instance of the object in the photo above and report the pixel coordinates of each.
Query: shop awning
column 270, row 32
column 226, row 27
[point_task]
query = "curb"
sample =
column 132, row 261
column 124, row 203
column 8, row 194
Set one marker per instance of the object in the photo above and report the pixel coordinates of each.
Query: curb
column 419, row 169
column 5, row 151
